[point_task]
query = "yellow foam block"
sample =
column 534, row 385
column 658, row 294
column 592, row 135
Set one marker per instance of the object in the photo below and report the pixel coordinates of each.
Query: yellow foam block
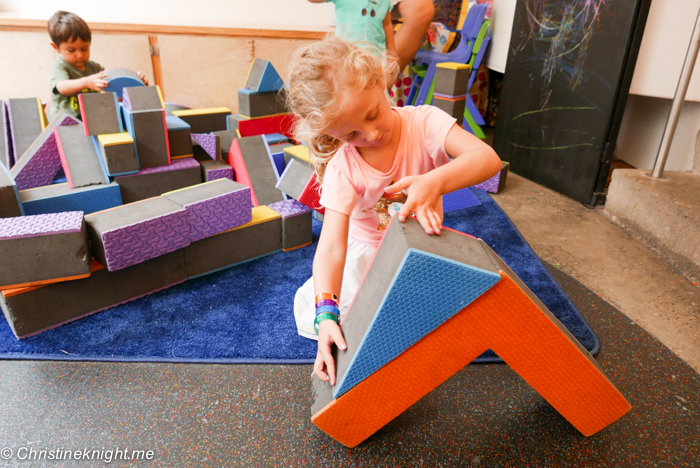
column 110, row 139
column 300, row 152
column 453, row 65
column 211, row 110
column 260, row 214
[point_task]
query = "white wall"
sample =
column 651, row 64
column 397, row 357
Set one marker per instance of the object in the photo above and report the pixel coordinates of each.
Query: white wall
column 272, row 14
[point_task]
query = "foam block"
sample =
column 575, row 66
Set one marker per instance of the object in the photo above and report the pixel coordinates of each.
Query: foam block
column 10, row 203
column 205, row 120
column 227, row 137
column 453, row 107
column 279, row 124
column 459, row 199
column 4, row 146
column 496, row 183
column 295, row 178
column 252, row 104
column 299, row 152
column 210, row 143
column 100, row 112
column 30, row 311
column 275, row 138
column 133, row 233
column 81, row 163
column 253, row 166
column 506, row 318
column 143, row 98
column 25, row 120
column 213, row 170
column 262, row 77
column 41, row 162
column 60, row 197
column 233, row 120
column 261, row 236
column 278, row 159
column 41, row 248
column 149, row 131
column 179, row 139
column 118, row 153
column 171, row 107
column 155, row 181
column 296, row 224
column 119, row 78
column 213, row 207
column 452, row 79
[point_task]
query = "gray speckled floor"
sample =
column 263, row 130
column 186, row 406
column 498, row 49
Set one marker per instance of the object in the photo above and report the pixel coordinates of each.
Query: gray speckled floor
column 235, row 415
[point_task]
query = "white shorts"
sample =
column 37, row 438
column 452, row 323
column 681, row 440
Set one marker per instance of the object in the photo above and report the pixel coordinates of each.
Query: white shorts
column 357, row 260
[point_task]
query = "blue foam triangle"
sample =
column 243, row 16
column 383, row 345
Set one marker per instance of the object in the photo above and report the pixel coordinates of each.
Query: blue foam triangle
column 425, row 292
column 270, row 80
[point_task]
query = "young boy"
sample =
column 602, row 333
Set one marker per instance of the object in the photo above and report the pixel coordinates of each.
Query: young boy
column 73, row 72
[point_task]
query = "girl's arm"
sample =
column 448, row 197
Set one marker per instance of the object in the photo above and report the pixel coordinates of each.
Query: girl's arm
column 389, row 33
column 474, row 162
column 329, row 262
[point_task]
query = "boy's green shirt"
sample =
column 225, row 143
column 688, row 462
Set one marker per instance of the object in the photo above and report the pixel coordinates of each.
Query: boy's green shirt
column 61, row 71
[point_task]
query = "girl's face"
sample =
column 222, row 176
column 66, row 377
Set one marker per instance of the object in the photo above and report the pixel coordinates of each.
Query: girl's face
column 366, row 119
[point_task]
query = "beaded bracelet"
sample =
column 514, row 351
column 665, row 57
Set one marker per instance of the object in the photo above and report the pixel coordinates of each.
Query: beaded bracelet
column 330, row 296
column 328, row 309
column 322, row 317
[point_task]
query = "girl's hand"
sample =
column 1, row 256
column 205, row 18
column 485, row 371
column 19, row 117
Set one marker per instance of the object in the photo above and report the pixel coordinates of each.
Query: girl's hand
column 328, row 333
column 96, row 82
column 423, row 199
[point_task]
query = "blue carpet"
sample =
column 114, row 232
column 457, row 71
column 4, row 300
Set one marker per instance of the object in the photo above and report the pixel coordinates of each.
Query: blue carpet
column 244, row 314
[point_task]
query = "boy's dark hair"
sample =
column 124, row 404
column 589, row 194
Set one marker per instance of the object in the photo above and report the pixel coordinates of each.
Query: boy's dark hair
column 65, row 26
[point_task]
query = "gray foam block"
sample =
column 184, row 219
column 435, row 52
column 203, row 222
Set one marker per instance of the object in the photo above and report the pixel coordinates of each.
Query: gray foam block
column 55, row 304
column 232, row 121
column 119, row 157
column 296, row 224
column 25, row 120
column 454, row 108
column 149, row 131
column 295, row 177
column 4, row 129
column 212, row 170
column 79, row 158
column 229, row 248
column 260, row 168
column 43, row 247
column 10, row 202
column 252, row 105
column 142, row 98
column 227, row 137
column 171, row 107
column 451, row 82
column 100, row 112
column 179, row 137
column 153, row 182
column 207, row 121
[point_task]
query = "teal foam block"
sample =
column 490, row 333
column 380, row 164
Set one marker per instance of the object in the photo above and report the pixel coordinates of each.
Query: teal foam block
column 60, row 197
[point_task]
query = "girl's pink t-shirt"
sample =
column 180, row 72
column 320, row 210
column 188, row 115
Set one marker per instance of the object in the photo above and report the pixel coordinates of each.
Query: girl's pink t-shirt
column 353, row 187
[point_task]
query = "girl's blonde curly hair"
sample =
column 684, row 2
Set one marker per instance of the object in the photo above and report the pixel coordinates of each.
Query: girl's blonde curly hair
column 322, row 75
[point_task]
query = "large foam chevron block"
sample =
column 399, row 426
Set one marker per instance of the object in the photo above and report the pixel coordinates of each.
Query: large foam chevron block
column 10, row 202
column 25, row 120
column 253, row 166
column 41, row 162
column 205, row 120
column 133, row 233
column 143, row 98
column 155, row 181
column 259, row 237
column 56, row 198
column 213, row 207
column 32, row 310
column 506, row 318
column 43, row 248
column 79, row 158
column 262, row 77
column 119, row 78
column 100, row 112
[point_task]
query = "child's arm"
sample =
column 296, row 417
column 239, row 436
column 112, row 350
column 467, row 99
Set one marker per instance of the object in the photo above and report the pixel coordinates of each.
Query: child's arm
column 474, row 162
column 95, row 82
column 389, row 33
column 329, row 262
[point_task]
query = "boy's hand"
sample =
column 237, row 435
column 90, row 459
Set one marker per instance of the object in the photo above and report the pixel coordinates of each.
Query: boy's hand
column 143, row 77
column 96, row 82
column 328, row 333
column 423, row 198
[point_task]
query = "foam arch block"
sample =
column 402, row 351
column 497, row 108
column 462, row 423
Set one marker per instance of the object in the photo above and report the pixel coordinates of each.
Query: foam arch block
column 119, row 78
column 506, row 318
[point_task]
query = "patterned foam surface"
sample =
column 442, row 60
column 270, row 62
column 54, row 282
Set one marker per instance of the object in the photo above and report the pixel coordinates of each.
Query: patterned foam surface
column 218, row 214
column 503, row 319
column 219, row 173
column 490, row 185
column 43, row 165
column 278, row 159
column 148, row 239
column 208, row 143
column 289, row 208
column 311, row 196
column 86, row 199
column 458, row 200
column 109, row 139
column 125, row 99
column 40, row 225
column 426, row 291
column 176, row 165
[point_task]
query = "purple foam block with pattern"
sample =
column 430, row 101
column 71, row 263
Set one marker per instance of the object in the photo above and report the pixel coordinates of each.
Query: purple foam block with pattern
column 497, row 182
column 184, row 163
column 220, row 173
column 125, row 99
column 458, row 200
column 40, row 225
column 44, row 162
column 289, row 208
column 208, row 143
